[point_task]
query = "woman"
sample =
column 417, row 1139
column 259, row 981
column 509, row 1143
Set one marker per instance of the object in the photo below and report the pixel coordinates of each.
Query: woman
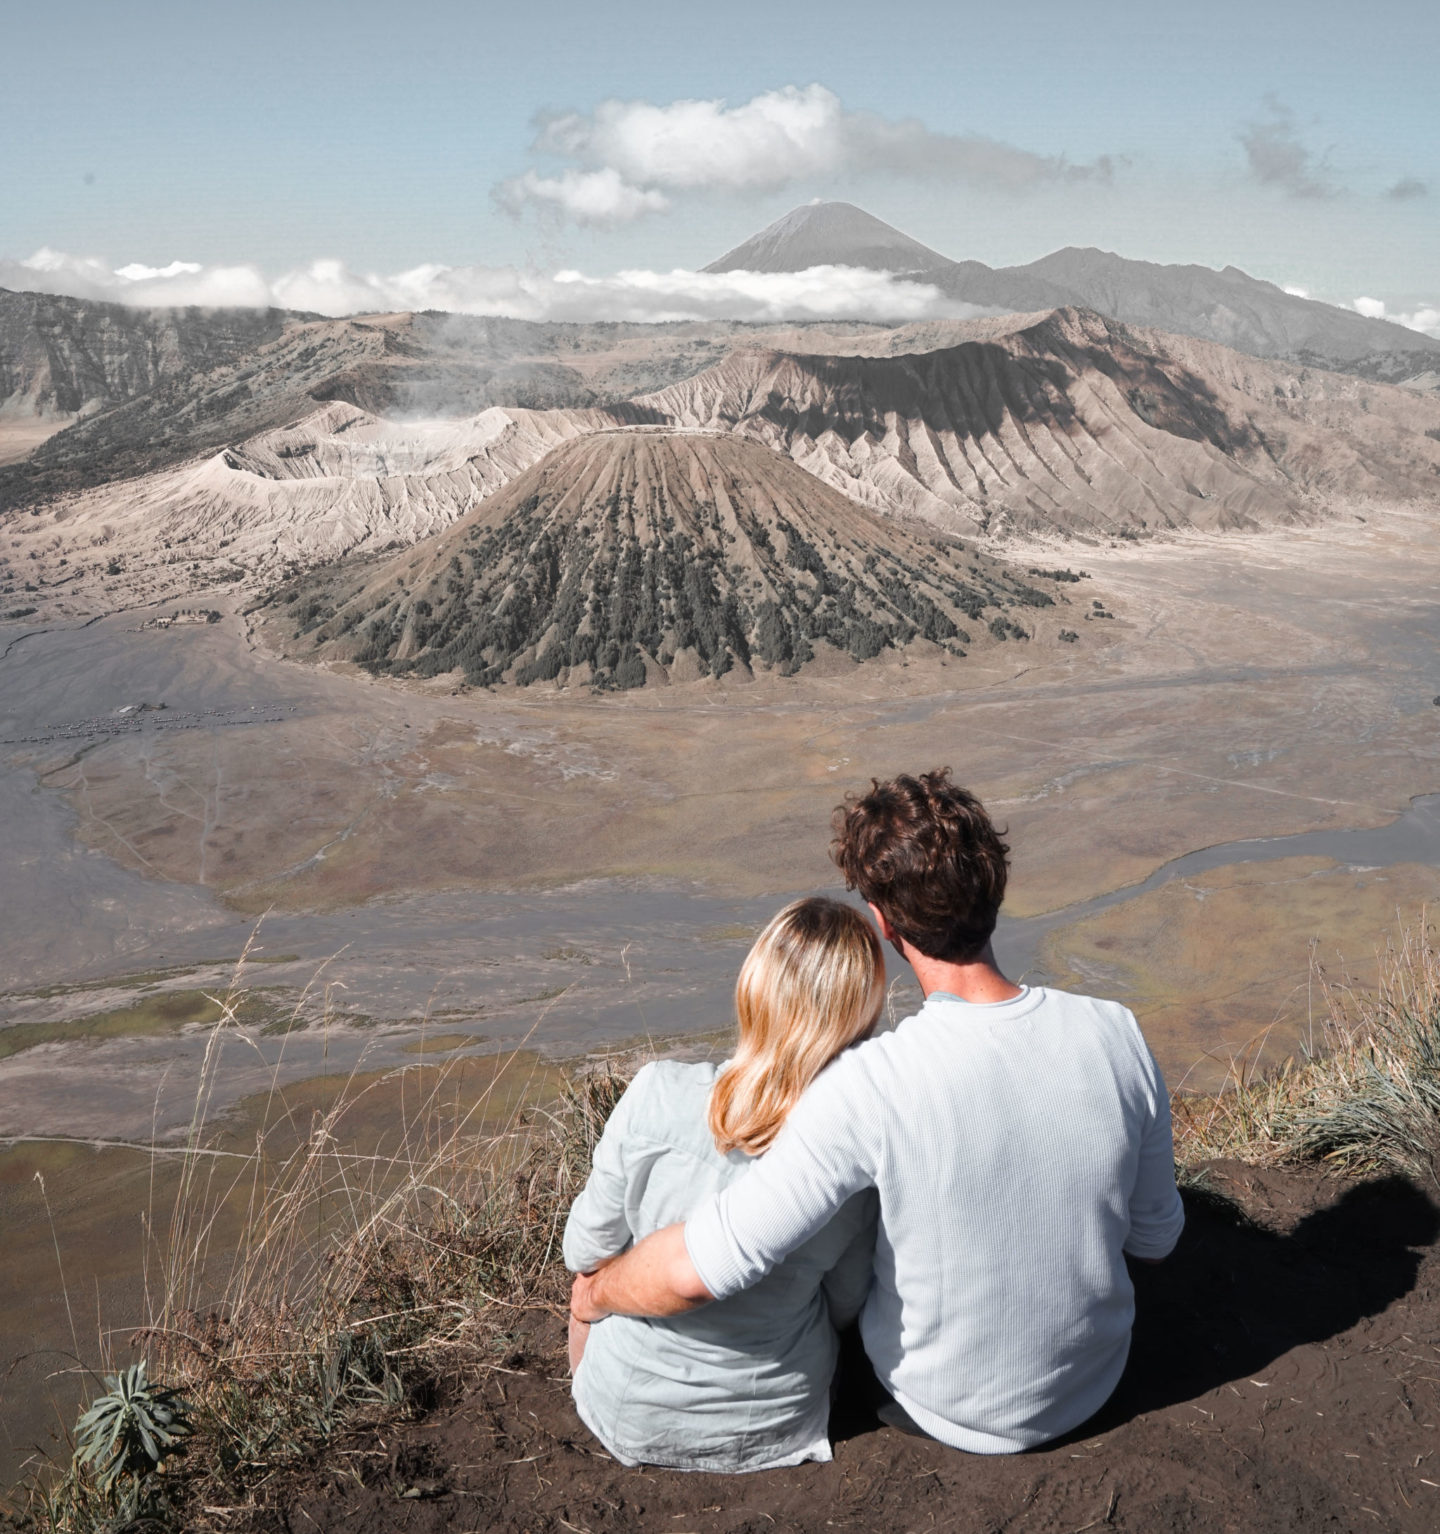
column 743, row 1384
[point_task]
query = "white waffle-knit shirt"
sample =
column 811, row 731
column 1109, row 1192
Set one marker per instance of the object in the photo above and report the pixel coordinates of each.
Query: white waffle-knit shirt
column 1020, row 1149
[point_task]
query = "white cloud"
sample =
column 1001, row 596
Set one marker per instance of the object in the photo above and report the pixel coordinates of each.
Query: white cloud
column 1295, row 291
column 796, row 133
column 1425, row 318
column 776, row 137
column 330, row 287
column 178, row 284
column 137, row 272
column 821, row 292
column 584, row 196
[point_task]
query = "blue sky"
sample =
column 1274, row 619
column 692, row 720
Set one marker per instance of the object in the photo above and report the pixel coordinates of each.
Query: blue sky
column 273, row 134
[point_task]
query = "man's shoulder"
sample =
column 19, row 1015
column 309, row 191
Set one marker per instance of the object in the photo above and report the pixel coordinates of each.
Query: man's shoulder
column 1114, row 1030
column 850, row 1077
column 1115, row 1013
column 1108, row 1025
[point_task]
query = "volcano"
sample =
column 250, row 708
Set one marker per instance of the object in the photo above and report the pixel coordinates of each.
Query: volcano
column 635, row 556
column 830, row 234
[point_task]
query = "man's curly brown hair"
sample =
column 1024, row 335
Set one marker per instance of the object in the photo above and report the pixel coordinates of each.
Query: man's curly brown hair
column 925, row 854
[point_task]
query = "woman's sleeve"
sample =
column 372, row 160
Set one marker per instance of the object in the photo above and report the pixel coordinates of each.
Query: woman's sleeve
column 597, row 1228
column 848, row 1282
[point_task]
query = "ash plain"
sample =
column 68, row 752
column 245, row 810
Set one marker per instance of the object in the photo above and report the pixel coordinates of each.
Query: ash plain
column 473, row 856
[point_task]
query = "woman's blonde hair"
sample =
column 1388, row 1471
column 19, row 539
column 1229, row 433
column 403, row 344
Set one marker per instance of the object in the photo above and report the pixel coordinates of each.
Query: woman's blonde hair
column 811, row 985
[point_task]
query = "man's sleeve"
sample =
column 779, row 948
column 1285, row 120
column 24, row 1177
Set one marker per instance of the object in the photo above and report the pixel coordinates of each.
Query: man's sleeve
column 847, row 1284
column 597, row 1228
column 818, row 1161
column 1156, row 1214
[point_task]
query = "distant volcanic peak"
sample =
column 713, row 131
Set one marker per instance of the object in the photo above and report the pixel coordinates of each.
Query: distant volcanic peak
column 829, row 234
column 631, row 556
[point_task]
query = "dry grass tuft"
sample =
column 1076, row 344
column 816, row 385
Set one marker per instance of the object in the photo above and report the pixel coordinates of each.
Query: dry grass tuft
column 305, row 1284
column 1365, row 1094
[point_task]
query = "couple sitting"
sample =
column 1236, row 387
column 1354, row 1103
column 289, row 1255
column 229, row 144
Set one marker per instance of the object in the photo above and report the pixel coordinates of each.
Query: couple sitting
column 968, row 1185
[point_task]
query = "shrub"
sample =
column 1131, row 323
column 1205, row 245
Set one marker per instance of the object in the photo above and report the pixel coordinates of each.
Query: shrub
column 631, row 671
column 127, row 1435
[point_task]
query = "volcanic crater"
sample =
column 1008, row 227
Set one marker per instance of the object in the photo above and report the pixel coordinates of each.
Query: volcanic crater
column 635, row 556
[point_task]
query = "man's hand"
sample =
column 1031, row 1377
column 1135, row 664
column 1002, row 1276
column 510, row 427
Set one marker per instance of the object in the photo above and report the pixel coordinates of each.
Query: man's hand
column 582, row 1305
column 655, row 1278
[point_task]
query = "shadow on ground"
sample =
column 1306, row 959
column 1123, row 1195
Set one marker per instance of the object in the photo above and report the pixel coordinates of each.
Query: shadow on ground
column 1236, row 1295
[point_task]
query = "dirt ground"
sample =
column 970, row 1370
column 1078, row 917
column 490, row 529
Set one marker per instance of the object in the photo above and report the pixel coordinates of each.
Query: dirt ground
column 1285, row 1376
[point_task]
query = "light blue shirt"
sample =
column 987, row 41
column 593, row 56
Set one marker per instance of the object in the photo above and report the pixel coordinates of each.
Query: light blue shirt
column 1020, row 1149
column 743, row 1384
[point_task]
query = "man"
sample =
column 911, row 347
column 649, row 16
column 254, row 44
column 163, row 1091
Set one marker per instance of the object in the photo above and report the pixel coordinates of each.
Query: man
column 1019, row 1138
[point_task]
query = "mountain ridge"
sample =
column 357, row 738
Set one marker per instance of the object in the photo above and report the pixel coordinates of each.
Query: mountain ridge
column 1062, row 425
column 1068, row 422
column 1228, row 306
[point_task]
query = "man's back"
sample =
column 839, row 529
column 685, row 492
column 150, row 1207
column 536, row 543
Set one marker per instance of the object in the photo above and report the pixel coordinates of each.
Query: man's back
column 1018, row 1147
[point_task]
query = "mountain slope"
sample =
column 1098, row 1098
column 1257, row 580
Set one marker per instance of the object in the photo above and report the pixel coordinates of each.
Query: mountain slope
column 1061, row 424
column 634, row 556
column 1230, row 307
column 67, row 356
column 338, row 482
column 1074, row 424
column 159, row 388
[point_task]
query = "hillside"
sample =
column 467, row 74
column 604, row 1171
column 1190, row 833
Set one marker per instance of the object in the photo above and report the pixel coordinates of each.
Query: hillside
column 337, row 482
column 95, row 393
column 1074, row 424
column 1237, row 310
column 628, row 557
column 60, row 357
column 68, row 360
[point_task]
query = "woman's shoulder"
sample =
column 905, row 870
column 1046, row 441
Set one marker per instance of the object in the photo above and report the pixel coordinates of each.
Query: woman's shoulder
column 669, row 1097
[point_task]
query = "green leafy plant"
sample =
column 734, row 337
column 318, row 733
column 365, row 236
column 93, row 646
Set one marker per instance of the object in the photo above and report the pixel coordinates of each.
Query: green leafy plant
column 130, row 1431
